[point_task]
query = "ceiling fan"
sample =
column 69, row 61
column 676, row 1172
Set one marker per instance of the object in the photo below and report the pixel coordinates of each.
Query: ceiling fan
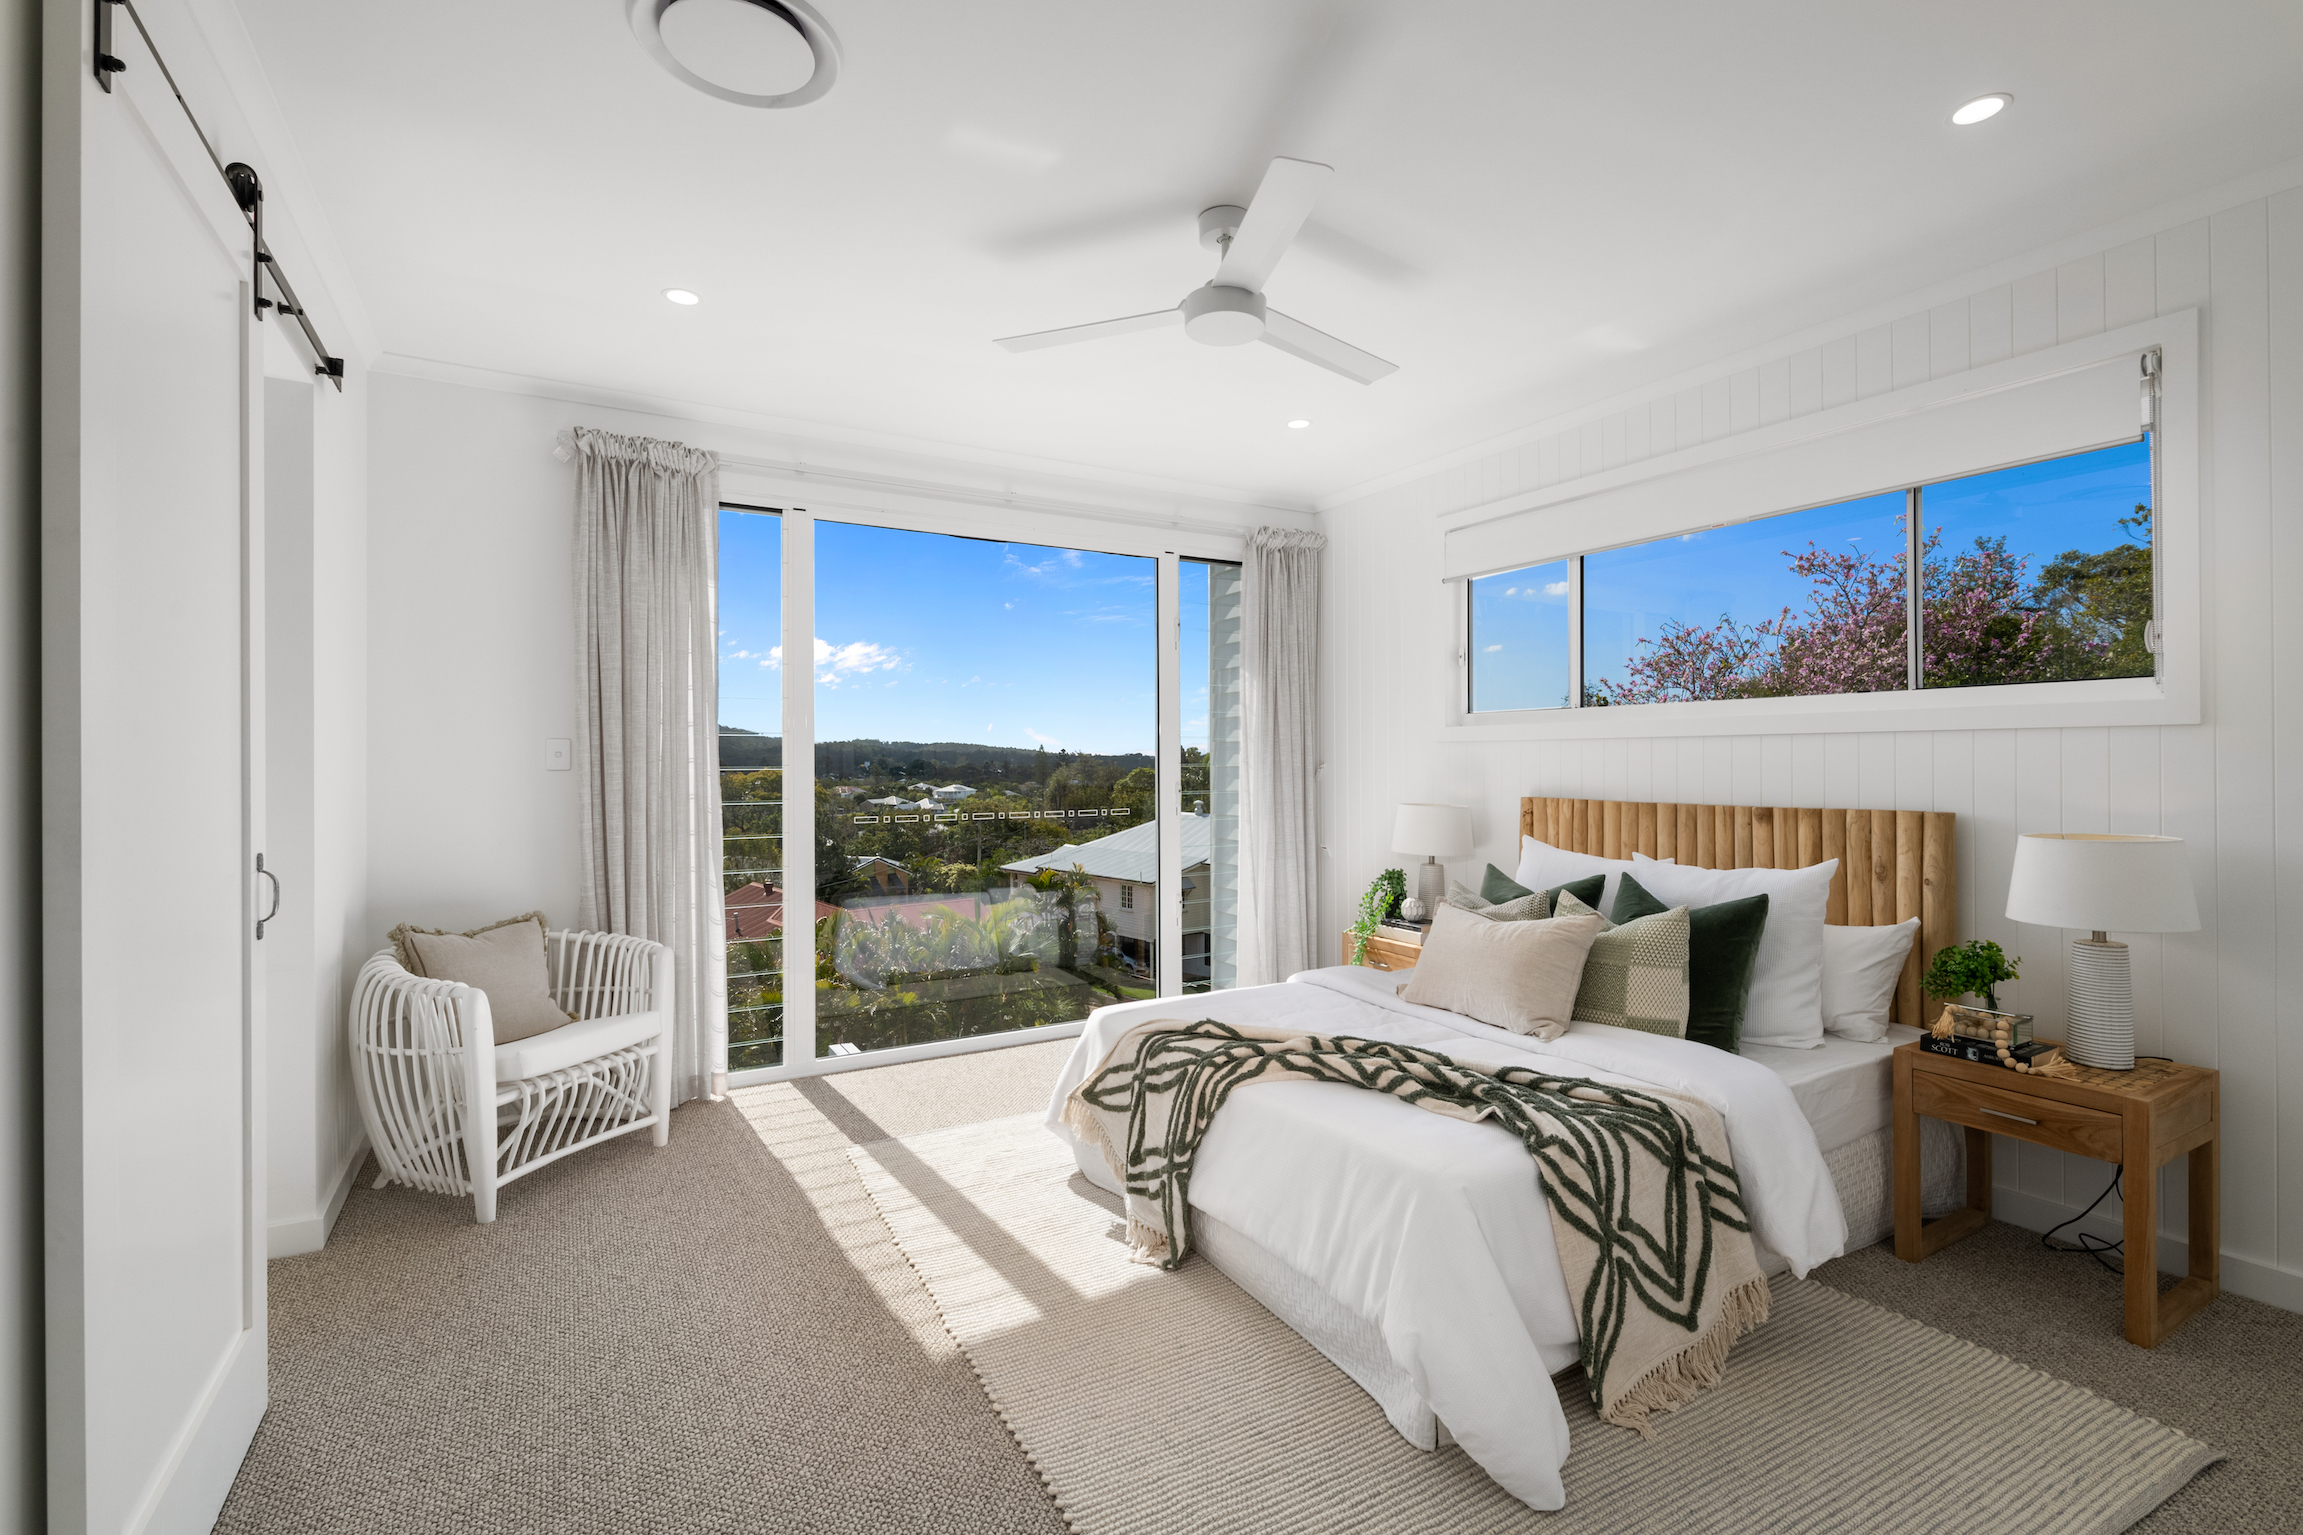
column 1230, row 310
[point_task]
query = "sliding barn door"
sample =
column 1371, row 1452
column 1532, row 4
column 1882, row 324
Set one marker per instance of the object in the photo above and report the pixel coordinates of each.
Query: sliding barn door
column 152, row 564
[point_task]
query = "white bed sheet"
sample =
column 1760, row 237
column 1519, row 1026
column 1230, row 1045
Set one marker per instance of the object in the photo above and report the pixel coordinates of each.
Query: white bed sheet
column 1844, row 1088
column 1435, row 1231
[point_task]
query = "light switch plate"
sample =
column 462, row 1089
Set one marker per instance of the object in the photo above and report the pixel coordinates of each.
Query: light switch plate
column 556, row 755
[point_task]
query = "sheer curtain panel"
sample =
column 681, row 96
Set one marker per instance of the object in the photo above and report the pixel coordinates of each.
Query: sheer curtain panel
column 647, row 748
column 1279, row 684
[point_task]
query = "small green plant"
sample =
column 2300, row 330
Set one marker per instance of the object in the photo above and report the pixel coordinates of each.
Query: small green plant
column 1976, row 966
column 1381, row 899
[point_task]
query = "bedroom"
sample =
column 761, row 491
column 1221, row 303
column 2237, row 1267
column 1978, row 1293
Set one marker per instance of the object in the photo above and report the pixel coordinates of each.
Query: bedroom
column 1607, row 351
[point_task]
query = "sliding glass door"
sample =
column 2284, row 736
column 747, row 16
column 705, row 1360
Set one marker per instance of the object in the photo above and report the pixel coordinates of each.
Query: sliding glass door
column 946, row 793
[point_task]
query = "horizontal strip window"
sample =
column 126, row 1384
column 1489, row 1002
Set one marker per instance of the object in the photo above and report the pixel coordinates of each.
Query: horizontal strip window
column 2040, row 572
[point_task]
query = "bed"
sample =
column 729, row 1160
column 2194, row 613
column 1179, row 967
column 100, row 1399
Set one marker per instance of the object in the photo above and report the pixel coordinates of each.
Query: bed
column 1415, row 1251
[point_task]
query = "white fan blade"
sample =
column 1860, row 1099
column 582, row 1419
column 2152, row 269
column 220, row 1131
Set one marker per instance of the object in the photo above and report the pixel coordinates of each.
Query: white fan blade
column 1095, row 332
column 1274, row 214
column 1316, row 346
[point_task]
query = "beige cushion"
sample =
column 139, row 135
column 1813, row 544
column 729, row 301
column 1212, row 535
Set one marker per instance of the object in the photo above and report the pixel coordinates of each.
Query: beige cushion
column 1534, row 907
column 1520, row 976
column 504, row 959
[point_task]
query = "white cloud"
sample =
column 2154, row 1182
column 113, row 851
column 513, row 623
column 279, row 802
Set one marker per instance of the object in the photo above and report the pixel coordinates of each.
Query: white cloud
column 1043, row 740
column 1492, row 649
column 1555, row 589
column 851, row 662
column 1511, row 591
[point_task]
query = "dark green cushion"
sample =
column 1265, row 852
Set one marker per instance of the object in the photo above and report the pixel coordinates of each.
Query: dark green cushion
column 1722, row 948
column 1499, row 887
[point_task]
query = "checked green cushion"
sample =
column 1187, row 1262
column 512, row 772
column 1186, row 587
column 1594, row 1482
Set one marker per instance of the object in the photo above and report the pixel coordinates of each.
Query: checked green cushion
column 1635, row 976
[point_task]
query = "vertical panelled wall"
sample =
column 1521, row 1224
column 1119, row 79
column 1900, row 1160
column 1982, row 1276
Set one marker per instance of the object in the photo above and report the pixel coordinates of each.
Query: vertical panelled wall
column 2230, row 995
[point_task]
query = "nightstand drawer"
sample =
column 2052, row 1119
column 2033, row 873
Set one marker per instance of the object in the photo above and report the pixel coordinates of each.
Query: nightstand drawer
column 2025, row 1116
column 1385, row 953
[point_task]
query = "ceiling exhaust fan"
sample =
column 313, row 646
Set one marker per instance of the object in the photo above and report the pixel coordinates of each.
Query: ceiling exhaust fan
column 1230, row 309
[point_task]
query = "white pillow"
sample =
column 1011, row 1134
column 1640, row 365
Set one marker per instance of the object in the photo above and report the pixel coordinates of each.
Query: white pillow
column 1542, row 866
column 1786, row 1003
column 1860, row 968
column 1521, row 976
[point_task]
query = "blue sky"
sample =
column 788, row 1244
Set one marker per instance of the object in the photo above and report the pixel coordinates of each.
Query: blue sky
column 925, row 637
column 1520, row 618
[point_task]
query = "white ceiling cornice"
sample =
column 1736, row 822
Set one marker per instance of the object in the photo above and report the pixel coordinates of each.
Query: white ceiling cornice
column 802, row 447
column 2168, row 215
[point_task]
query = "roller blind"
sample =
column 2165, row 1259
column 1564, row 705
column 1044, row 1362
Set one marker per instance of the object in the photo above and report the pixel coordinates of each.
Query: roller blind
column 1911, row 437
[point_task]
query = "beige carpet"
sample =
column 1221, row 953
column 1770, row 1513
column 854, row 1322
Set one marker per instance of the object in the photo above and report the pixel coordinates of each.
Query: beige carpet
column 1155, row 1402
column 720, row 1336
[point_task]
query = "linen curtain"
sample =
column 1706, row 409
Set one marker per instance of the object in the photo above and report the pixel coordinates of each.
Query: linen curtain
column 647, row 748
column 1279, row 686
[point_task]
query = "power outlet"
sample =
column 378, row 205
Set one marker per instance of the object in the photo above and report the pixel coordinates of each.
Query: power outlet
column 556, row 755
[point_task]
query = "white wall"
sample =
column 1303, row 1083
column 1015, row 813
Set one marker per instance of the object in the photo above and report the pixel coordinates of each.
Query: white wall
column 22, row 1445
column 316, row 781
column 2229, row 996
column 471, row 637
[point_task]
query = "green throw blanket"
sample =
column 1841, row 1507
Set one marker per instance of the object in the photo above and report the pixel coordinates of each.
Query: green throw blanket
column 1646, row 1211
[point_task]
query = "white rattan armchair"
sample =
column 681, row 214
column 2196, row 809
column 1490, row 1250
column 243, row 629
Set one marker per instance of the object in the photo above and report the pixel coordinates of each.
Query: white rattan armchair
column 424, row 1053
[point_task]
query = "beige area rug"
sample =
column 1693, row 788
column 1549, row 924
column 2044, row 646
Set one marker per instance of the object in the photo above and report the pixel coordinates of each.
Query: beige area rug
column 1157, row 1402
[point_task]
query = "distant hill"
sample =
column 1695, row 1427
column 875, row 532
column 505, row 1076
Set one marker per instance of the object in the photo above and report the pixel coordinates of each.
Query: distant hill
column 942, row 759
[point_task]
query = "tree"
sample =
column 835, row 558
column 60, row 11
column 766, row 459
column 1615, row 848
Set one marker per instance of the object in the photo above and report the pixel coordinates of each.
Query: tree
column 1980, row 623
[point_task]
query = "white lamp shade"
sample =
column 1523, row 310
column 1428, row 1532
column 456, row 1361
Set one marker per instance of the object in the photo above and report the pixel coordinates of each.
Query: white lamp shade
column 2106, row 884
column 1443, row 831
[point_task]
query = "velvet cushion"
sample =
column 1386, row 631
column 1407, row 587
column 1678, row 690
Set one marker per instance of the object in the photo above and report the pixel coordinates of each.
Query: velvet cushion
column 1498, row 887
column 1722, row 951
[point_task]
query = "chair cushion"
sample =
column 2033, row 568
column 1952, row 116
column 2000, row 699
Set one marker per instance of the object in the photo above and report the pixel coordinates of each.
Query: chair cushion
column 572, row 1043
column 504, row 959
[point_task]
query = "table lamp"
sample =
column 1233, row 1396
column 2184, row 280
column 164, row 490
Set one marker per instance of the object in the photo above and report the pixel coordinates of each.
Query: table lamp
column 2102, row 884
column 1436, row 831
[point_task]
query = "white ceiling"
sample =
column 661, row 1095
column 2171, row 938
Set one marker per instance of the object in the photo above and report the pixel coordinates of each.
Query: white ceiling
column 1527, row 193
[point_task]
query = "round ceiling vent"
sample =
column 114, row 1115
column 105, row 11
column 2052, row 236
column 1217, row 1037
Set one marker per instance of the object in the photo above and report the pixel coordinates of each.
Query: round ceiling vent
column 755, row 53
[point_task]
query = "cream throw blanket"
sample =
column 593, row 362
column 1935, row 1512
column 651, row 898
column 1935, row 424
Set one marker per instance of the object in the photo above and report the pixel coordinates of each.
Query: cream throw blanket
column 1645, row 1208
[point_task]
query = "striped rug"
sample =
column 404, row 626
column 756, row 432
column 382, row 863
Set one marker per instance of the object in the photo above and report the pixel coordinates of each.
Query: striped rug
column 1153, row 1402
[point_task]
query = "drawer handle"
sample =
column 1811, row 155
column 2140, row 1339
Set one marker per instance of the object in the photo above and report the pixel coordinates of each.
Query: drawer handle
column 2003, row 1114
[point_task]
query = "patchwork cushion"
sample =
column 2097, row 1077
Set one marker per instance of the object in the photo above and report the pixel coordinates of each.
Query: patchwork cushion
column 1722, row 948
column 1636, row 974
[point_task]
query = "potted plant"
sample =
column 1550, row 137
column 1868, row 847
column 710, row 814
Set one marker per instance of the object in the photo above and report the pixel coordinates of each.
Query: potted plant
column 1380, row 900
column 1975, row 968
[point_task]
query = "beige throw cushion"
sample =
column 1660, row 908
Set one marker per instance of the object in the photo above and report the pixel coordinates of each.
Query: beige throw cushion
column 1520, row 976
column 1636, row 974
column 504, row 959
column 1533, row 907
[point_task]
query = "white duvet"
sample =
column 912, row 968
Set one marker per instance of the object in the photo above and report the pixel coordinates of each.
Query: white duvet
column 1434, row 1231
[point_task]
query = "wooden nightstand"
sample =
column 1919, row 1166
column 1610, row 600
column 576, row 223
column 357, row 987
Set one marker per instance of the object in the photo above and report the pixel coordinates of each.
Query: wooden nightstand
column 1385, row 953
column 2141, row 1119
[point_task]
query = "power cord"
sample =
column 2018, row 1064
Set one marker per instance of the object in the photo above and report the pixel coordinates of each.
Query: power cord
column 2087, row 1242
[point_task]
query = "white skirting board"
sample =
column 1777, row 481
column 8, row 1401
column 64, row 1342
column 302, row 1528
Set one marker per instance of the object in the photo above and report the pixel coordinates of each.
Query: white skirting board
column 2241, row 1276
column 309, row 1233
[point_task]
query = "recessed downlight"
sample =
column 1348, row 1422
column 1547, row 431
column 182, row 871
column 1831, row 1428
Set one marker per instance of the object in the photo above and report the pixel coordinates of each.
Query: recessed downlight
column 1980, row 108
column 1299, row 425
column 681, row 296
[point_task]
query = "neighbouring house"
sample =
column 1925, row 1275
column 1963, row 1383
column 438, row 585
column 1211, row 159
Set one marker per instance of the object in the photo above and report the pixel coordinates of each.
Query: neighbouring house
column 847, row 790
column 953, row 793
column 757, row 911
column 885, row 876
column 1125, row 868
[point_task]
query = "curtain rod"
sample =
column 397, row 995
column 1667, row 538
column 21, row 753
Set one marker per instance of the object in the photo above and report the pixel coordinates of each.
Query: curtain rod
column 240, row 178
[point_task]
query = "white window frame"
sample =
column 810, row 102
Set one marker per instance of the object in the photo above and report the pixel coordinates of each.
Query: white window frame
column 801, row 501
column 2170, row 698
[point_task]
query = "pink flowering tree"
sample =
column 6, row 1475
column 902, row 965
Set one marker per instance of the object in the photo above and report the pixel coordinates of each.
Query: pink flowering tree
column 1980, row 623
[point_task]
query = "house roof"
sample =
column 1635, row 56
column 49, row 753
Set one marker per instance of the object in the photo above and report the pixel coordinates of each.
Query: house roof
column 757, row 911
column 1131, row 855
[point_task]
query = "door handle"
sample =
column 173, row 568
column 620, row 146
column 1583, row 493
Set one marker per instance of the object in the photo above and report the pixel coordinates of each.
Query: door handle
column 275, row 911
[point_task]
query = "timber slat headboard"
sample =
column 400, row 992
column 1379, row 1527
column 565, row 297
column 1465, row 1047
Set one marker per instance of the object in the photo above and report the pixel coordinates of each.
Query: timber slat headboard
column 1893, row 864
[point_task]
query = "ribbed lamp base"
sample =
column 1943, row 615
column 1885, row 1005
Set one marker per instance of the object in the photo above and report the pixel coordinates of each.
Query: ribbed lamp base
column 2102, row 1031
column 1431, row 884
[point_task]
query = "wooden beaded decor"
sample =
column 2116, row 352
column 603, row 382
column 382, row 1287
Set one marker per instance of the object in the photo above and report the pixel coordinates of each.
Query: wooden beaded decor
column 1893, row 864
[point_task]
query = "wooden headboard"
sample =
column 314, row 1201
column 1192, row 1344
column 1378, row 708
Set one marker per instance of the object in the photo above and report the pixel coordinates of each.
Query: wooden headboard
column 1893, row 864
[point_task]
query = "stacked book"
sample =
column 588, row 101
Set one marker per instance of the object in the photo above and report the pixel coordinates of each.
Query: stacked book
column 1400, row 930
column 1982, row 1051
